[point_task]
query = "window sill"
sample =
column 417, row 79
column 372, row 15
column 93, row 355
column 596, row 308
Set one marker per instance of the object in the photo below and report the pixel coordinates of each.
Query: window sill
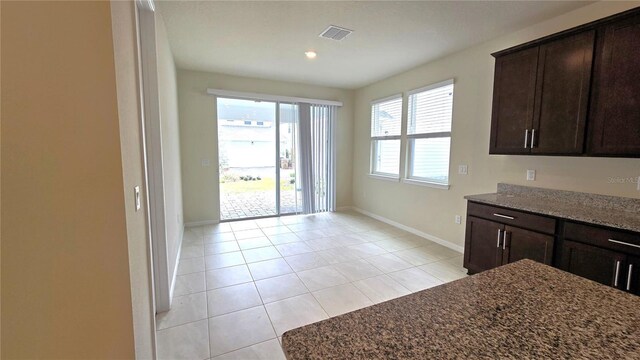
column 384, row 177
column 427, row 184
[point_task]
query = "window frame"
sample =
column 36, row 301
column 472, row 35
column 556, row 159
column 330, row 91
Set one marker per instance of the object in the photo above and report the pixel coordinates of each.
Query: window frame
column 374, row 139
column 410, row 143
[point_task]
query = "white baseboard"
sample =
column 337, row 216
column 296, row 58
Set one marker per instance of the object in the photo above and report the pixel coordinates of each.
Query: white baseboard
column 344, row 208
column 430, row 237
column 175, row 270
column 201, row 223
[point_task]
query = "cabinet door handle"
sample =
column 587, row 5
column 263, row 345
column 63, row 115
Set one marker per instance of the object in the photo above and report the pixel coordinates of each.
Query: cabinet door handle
column 526, row 139
column 533, row 137
column 504, row 216
column 499, row 233
column 504, row 240
column 629, row 273
column 617, row 274
column 621, row 242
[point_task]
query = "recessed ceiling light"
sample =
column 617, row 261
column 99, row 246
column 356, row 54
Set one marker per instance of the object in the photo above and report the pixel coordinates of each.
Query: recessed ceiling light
column 310, row 54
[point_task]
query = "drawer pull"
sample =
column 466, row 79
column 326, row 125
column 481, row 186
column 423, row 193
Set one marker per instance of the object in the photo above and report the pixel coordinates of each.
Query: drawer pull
column 621, row 242
column 629, row 273
column 504, row 216
column 499, row 233
column 617, row 275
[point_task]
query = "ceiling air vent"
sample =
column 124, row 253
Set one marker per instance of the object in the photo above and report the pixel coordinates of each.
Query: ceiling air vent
column 335, row 33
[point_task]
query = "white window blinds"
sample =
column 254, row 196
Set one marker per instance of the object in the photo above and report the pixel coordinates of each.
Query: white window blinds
column 386, row 125
column 317, row 157
column 429, row 132
column 386, row 117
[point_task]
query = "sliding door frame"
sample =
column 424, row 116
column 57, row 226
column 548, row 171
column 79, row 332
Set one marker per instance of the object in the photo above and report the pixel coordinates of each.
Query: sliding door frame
column 277, row 152
column 278, row 159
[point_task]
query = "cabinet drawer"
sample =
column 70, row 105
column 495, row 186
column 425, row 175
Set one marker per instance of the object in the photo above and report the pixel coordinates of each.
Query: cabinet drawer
column 617, row 240
column 513, row 217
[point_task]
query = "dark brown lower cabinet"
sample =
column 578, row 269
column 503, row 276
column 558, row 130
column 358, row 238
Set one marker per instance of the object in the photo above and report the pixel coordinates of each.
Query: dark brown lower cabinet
column 490, row 244
column 481, row 245
column 612, row 268
column 594, row 263
column 526, row 244
column 632, row 281
column 608, row 256
column 497, row 236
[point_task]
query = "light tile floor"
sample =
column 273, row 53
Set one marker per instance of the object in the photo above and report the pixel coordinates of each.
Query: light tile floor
column 241, row 285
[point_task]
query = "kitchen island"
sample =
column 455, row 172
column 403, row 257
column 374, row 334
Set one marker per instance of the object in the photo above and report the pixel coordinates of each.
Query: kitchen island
column 520, row 310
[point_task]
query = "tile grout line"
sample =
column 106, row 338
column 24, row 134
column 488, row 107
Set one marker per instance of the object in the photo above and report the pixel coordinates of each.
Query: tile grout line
column 359, row 225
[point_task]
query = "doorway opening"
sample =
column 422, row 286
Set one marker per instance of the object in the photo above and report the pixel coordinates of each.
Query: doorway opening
column 257, row 148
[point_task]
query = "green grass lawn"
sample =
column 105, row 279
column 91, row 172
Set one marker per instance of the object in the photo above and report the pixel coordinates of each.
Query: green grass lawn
column 266, row 184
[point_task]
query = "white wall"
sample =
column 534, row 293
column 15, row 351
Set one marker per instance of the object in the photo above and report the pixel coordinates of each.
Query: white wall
column 123, row 18
column 198, row 129
column 170, row 129
column 432, row 210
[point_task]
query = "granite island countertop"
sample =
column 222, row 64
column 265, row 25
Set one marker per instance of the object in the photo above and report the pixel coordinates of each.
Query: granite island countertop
column 611, row 211
column 524, row 310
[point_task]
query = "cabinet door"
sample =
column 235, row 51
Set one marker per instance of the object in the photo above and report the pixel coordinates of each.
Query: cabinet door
column 525, row 244
column 632, row 275
column 514, row 89
column 615, row 103
column 482, row 244
column 594, row 263
column 562, row 95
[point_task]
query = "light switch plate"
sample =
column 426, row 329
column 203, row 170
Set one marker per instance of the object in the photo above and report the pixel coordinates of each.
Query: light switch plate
column 531, row 175
column 458, row 219
column 136, row 194
column 463, row 169
column 206, row 162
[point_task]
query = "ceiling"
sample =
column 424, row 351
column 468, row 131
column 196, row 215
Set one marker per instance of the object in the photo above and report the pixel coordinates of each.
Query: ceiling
column 268, row 39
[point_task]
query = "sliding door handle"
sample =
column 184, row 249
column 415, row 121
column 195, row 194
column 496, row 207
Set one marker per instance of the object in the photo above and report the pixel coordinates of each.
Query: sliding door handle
column 526, row 139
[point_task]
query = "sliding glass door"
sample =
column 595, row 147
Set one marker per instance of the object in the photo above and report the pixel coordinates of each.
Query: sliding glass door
column 257, row 158
column 289, row 192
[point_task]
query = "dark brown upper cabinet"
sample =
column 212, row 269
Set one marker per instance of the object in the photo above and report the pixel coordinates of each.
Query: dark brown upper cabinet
column 513, row 102
column 575, row 93
column 540, row 98
column 562, row 95
column 615, row 103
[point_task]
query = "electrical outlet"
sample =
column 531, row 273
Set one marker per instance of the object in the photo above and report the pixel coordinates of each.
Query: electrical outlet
column 205, row 162
column 463, row 169
column 638, row 183
column 531, row 175
column 458, row 219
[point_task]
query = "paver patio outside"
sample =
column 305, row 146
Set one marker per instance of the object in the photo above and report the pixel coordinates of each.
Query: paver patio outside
column 255, row 204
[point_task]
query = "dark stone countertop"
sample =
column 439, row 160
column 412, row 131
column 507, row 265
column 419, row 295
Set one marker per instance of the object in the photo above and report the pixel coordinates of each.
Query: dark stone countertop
column 616, row 212
column 523, row 310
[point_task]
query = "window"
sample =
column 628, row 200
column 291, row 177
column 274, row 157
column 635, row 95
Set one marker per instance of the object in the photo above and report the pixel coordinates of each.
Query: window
column 386, row 121
column 429, row 133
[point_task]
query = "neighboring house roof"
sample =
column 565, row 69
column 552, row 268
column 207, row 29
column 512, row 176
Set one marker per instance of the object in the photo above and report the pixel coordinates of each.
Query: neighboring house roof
column 252, row 113
column 240, row 112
